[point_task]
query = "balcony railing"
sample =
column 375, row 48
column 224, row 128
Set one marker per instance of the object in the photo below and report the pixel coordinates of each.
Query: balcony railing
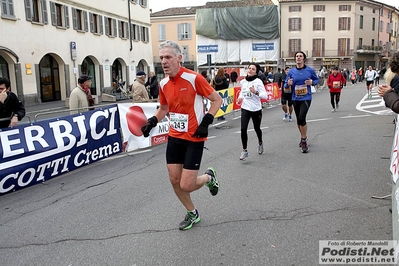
column 369, row 49
column 332, row 53
column 291, row 54
column 323, row 53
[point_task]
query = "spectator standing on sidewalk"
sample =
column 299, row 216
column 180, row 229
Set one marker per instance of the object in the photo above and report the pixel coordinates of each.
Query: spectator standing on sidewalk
column 233, row 76
column 181, row 97
column 221, row 83
column 81, row 99
column 11, row 108
column 139, row 91
column 353, row 76
column 360, row 74
column 390, row 92
column 377, row 76
column 277, row 78
column 204, row 73
column 252, row 91
column 152, row 86
column 227, row 76
column 322, row 75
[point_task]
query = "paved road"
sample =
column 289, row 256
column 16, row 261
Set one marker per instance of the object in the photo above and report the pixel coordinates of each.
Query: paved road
column 272, row 209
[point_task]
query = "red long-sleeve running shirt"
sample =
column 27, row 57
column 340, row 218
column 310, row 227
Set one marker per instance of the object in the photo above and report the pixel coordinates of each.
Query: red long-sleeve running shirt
column 335, row 82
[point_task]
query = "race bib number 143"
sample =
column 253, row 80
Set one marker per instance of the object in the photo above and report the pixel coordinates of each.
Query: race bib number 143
column 179, row 122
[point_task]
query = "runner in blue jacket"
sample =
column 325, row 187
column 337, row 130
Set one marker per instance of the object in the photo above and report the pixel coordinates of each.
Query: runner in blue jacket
column 300, row 79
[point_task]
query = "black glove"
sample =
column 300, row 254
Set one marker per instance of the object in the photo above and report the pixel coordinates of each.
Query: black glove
column 202, row 130
column 151, row 122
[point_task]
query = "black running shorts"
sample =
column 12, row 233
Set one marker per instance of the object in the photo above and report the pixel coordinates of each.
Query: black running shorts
column 187, row 153
column 286, row 97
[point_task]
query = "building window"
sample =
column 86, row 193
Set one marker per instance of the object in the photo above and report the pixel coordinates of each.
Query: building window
column 318, row 47
column 7, row 9
column 318, row 24
column 144, row 34
column 319, row 8
column 96, row 23
column 343, row 46
column 135, row 32
column 294, row 9
column 294, row 45
column 388, row 27
column 373, row 24
column 361, row 22
column 79, row 20
column 294, row 24
column 381, row 26
column 161, row 32
column 184, row 31
column 360, row 42
column 110, row 27
column 185, row 55
column 143, row 3
column 123, row 29
column 344, row 7
column 344, row 23
column 389, row 14
column 381, row 12
column 361, row 8
column 372, row 42
column 36, row 11
column 59, row 15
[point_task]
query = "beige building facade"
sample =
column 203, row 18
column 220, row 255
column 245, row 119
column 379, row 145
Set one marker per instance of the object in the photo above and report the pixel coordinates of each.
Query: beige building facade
column 47, row 45
column 347, row 34
column 176, row 27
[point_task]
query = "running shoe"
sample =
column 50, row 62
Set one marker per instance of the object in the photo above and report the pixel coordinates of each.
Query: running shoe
column 244, row 155
column 290, row 118
column 300, row 143
column 285, row 118
column 333, row 110
column 337, row 106
column 213, row 185
column 260, row 148
column 304, row 146
column 189, row 220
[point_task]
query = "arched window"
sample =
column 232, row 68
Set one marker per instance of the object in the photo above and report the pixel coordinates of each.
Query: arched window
column 49, row 79
column 88, row 68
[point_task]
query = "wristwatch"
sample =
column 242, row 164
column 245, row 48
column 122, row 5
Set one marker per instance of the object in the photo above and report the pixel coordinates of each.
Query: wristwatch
column 257, row 93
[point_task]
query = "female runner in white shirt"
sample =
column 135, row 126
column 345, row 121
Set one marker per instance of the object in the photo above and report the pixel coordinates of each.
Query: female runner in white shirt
column 252, row 91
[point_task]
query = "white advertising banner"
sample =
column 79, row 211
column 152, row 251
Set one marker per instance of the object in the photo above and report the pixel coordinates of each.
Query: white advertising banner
column 132, row 117
column 250, row 50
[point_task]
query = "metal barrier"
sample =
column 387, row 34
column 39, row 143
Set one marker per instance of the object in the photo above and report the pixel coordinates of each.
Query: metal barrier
column 80, row 110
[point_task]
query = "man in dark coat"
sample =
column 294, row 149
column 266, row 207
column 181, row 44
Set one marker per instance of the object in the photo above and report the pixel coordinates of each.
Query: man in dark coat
column 152, row 86
column 278, row 78
column 233, row 76
column 11, row 108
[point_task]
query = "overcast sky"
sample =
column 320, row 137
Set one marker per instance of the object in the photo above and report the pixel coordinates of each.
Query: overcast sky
column 158, row 5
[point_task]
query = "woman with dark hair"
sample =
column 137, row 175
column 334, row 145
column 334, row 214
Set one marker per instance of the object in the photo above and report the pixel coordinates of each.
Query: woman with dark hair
column 252, row 91
column 390, row 92
column 300, row 79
